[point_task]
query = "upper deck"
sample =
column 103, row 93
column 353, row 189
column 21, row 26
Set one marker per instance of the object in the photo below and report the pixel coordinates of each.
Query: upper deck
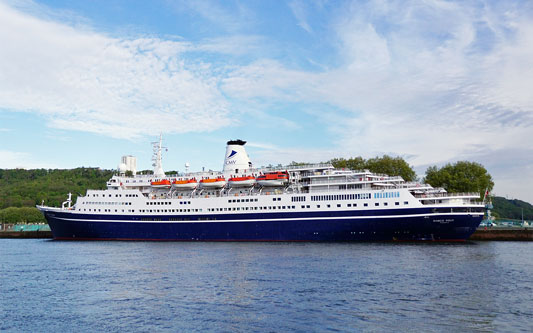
column 312, row 179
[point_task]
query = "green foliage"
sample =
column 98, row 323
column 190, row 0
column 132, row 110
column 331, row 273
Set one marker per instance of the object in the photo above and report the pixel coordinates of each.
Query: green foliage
column 354, row 163
column 392, row 166
column 462, row 176
column 511, row 209
column 27, row 188
column 296, row 164
column 14, row 215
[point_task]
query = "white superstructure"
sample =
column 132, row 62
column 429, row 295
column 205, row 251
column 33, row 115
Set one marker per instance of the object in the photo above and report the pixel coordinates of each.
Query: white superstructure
column 313, row 182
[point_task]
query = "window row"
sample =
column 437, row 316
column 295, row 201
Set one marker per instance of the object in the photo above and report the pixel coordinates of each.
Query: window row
column 106, row 203
column 229, row 209
column 126, row 195
column 356, row 196
column 116, row 195
column 386, row 195
column 166, row 203
column 188, row 210
column 243, row 200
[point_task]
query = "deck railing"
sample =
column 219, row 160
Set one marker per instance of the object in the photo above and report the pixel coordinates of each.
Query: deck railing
column 447, row 195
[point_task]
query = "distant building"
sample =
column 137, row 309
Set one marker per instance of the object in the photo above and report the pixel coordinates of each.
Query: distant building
column 128, row 163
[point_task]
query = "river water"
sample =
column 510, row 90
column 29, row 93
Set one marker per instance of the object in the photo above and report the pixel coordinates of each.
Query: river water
column 54, row 286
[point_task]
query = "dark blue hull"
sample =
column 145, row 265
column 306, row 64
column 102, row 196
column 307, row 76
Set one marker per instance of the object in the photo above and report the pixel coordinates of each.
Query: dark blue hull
column 342, row 226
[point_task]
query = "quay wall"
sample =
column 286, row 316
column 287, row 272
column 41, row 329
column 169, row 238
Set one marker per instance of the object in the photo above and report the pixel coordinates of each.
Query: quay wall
column 503, row 234
column 25, row 234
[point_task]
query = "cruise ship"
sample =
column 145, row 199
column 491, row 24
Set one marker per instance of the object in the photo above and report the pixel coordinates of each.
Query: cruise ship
column 309, row 203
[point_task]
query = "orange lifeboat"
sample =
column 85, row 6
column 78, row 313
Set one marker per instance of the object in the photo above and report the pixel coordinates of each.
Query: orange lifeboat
column 245, row 181
column 217, row 182
column 277, row 178
column 163, row 183
column 185, row 184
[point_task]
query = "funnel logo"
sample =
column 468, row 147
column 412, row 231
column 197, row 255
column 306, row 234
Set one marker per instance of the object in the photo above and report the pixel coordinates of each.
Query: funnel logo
column 233, row 153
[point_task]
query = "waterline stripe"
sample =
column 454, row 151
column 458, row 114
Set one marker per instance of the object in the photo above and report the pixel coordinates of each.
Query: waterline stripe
column 276, row 219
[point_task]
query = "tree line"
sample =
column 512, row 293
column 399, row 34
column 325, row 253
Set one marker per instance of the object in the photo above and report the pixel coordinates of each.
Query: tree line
column 462, row 176
column 27, row 188
column 511, row 209
column 14, row 215
column 21, row 190
column 392, row 166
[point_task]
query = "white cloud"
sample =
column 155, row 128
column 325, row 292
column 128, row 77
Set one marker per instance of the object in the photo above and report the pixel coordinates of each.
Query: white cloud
column 285, row 156
column 236, row 45
column 21, row 160
column 87, row 81
column 299, row 11
column 261, row 145
column 268, row 78
column 217, row 13
column 435, row 96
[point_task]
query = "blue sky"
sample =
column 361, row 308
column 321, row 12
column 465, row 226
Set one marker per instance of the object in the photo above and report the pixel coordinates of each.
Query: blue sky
column 83, row 83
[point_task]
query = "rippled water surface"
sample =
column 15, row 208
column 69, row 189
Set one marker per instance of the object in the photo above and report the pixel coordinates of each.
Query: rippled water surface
column 143, row 286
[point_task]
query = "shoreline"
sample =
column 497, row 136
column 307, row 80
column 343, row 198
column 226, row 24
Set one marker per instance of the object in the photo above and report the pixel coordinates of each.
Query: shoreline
column 502, row 234
column 26, row 234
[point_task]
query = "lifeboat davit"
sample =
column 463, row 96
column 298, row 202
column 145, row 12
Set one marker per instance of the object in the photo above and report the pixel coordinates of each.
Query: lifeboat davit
column 277, row 178
column 185, row 184
column 217, row 182
column 245, row 181
column 164, row 183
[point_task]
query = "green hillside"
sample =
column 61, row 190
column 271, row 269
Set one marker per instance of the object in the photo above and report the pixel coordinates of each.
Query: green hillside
column 511, row 209
column 27, row 188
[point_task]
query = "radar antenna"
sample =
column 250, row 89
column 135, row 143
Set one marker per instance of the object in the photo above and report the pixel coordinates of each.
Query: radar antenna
column 157, row 157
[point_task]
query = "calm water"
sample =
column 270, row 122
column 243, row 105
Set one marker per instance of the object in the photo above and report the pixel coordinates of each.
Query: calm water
column 143, row 286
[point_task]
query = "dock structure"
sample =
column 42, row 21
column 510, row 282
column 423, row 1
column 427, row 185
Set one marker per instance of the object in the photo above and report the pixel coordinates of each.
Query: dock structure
column 503, row 234
column 20, row 230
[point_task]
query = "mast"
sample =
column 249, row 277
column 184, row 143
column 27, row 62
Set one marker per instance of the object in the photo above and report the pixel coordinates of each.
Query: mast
column 156, row 157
